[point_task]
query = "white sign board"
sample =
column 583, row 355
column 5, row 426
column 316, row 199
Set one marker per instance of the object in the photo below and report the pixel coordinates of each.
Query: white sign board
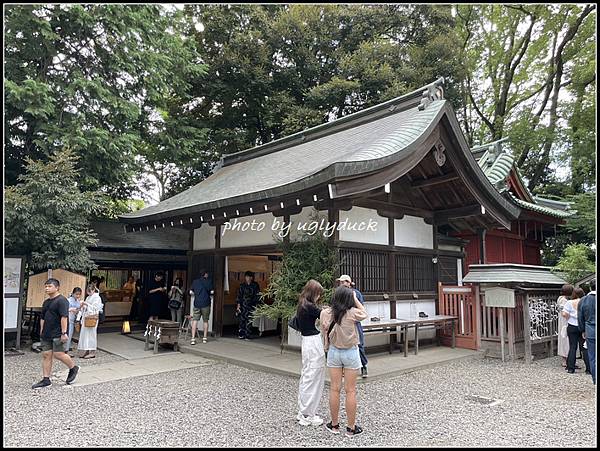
column 499, row 297
column 11, row 313
column 12, row 275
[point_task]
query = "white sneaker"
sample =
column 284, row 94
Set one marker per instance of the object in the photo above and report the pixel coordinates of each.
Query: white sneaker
column 309, row 421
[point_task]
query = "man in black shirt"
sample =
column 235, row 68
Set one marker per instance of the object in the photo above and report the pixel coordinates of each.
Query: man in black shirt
column 247, row 299
column 54, row 326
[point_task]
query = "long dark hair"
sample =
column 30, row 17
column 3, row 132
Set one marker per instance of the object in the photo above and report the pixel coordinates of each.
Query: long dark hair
column 567, row 290
column 341, row 302
column 310, row 293
column 178, row 282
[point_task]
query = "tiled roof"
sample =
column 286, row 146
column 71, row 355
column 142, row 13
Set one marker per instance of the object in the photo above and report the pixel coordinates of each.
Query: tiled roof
column 358, row 143
column 112, row 235
column 496, row 164
column 540, row 208
column 510, row 273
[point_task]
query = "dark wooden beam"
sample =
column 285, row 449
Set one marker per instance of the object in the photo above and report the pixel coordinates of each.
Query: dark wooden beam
column 395, row 208
column 435, row 180
column 441, row 216
column 288, row 211
column 411, row 192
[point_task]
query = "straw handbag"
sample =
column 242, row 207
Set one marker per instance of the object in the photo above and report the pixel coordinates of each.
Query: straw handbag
column 90, row 321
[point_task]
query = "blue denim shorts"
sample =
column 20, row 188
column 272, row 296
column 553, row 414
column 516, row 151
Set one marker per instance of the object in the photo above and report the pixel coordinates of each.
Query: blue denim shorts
column 343, row 358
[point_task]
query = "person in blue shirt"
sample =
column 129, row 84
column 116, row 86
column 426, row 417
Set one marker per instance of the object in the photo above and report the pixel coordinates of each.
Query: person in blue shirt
column 201, row 289
column 74, row 307
column 586, row 316
column 247, row 299
column 346, row 281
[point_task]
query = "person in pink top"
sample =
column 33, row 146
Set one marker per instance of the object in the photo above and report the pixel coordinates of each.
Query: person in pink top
column 338, row 326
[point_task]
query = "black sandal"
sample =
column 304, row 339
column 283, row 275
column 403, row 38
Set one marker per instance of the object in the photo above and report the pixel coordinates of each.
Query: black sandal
column 352, row 432
column 333, row 429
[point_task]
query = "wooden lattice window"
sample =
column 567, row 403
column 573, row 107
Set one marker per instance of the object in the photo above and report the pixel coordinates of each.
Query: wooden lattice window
column 414, row 273
column 448, row 270
column 368, row 269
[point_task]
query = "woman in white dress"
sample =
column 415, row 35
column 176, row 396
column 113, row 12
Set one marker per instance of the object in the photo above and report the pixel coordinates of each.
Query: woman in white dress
column 563, row 339
column 88, row 336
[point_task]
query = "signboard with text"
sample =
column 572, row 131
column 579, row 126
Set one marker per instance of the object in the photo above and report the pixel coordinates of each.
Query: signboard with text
column 499, row 297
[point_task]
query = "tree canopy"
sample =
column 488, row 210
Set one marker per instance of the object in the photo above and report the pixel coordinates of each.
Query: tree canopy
column 109, row 82
column 47, row 217
column 149, row 98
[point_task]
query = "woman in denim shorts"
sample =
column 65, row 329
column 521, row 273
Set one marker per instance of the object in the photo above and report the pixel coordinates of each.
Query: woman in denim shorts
column 338, row 326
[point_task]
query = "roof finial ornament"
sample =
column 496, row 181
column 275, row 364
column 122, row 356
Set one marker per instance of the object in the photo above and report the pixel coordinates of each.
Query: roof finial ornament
column 433, row 91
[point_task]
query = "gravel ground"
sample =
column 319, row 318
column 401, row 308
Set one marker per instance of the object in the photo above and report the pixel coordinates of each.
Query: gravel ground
column 226, row 405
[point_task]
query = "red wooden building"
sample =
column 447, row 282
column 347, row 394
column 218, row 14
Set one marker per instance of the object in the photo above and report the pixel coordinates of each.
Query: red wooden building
column 537, row 219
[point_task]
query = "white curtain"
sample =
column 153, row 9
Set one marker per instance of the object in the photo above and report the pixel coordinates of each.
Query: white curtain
column 226, row 276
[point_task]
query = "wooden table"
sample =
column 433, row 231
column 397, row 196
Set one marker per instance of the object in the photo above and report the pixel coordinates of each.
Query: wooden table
column 163, row 332
column 384, row 327
column 390, row 327
column 435, row 320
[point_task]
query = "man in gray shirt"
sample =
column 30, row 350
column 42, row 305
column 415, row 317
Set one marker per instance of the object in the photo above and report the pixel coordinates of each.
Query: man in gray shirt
column 586, row 315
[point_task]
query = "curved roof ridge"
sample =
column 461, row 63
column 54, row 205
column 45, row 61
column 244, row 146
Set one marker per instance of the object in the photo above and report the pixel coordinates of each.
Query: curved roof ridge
column 430, row 91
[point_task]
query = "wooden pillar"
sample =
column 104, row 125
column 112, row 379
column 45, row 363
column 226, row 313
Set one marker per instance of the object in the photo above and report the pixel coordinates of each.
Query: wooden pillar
column 478, row 316
column 391, row 273
column 482, row 257
column 436, row 266
column 188, row 276
column 512, row 350
column 286, row 220
column 219, row 302
column 526, row 336
column 333, row 216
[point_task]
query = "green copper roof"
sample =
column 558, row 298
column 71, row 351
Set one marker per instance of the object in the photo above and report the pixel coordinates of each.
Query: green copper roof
column 540, row 208
column 497, row 164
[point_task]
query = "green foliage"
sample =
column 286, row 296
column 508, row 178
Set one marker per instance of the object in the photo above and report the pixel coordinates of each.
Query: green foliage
column 531, row 77
column 94, row 78
column 309, row 257
column 582, row 225
column 576, row 263
column 278, row 69
column 47, row 216
column 115, row 207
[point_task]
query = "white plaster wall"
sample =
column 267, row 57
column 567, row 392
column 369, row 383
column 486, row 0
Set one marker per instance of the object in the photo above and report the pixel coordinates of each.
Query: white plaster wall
column 307, row 215
column 412, row 231
column 204, row 237
column 449, row 247
column 238, row 238
column 382, row 311
column 358, row 215
column 411, row 309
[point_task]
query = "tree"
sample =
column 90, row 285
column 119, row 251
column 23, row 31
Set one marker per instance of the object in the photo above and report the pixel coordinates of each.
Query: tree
column 278, row 69
column 522, row 61
column 310, row 257
column 94, row 78
column 576, row 263
column 48, row 217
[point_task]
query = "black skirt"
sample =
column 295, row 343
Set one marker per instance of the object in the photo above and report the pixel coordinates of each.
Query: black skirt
column 154, row 303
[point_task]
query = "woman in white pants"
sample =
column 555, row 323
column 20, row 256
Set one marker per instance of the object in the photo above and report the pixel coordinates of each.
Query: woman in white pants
column 91, row 307
column 312, row 378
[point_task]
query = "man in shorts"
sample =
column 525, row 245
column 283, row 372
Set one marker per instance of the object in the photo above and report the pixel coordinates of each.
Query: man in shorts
column 201, row 289
column 54, row 333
